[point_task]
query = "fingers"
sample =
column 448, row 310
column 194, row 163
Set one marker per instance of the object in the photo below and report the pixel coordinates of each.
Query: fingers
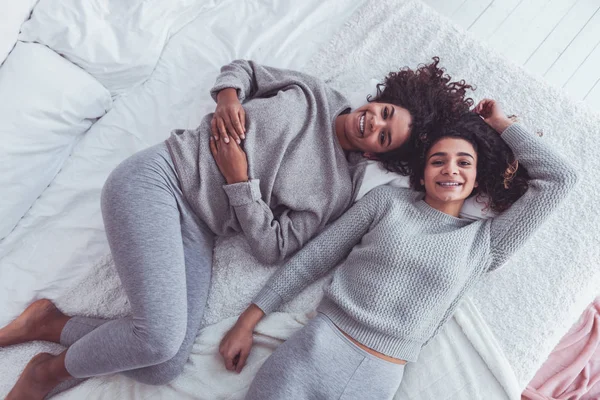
column 213, row 146
column 485, row 107
column 480, row 106
column 229, row 365
column 226, row 128
column 213, row 128
column 232, row 130
column 242, row 118
column 222, row 130
column 242, row 361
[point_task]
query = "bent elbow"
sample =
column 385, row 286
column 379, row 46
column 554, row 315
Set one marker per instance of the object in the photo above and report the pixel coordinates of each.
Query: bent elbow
column 570, row 178
column 574, row 177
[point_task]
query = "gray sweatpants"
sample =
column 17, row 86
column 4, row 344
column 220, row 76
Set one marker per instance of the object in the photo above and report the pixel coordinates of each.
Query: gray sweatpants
column 320, row 363
column 163, row 255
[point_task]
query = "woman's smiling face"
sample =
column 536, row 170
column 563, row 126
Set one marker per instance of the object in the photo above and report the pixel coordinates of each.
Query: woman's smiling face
column 450, row 173
column 376, row 128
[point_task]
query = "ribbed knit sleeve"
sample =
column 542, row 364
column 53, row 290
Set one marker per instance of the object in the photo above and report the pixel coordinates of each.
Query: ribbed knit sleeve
column 321, row 254
column 552, row 178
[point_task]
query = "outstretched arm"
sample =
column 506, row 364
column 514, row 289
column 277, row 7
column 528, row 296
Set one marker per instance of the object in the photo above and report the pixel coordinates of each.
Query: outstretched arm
column 322, row 253
column 552, row 178
column 312, row 262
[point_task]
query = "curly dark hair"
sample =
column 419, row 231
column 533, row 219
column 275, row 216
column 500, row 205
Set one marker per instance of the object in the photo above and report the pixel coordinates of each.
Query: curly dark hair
column 499, row 175
column 432, row 100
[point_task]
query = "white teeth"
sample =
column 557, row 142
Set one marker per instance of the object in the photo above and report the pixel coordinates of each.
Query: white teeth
column 362, row 124
column 449, row 183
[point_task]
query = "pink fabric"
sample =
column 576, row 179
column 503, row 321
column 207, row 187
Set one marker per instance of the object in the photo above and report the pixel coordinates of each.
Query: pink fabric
column 572, row 371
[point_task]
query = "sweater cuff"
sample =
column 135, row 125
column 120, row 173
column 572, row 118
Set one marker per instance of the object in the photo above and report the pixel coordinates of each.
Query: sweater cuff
column 515, row 134
column 267, row 300
column 243, row 193
column 224, row 84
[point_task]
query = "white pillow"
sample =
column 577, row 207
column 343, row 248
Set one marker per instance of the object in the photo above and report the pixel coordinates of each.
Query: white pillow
column 14, row 13
column 118, row 42
column 376, row 175
column 46, row 104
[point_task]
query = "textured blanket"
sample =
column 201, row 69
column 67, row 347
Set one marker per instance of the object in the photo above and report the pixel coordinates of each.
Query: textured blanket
column 572, row 371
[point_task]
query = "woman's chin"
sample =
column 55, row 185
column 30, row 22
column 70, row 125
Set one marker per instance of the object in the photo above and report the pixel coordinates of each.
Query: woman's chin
column 448, row 199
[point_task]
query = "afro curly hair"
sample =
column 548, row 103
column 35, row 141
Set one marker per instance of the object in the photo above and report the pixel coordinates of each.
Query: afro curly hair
column 432, row 100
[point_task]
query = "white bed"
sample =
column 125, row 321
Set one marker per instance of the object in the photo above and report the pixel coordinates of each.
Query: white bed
column 58, row 249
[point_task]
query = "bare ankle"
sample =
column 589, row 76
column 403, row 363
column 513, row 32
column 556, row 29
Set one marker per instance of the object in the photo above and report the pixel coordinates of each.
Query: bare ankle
column 52, row 330
column 52, row 370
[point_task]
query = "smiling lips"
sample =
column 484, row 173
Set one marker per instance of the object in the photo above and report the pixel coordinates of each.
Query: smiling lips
column 449, row 184
column 361, row 124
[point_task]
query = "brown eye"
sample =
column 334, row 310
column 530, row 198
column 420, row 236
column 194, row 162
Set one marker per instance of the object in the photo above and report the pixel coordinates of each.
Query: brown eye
column 382, row 137
column 385, row 113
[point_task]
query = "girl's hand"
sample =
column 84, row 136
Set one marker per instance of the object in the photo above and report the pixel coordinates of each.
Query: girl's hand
column 231, row 160
column 235, row 347
column 229, row 117
column 492, row 114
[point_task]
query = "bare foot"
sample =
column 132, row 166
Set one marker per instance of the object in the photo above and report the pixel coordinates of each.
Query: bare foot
column 40, row 321
column 35, row 381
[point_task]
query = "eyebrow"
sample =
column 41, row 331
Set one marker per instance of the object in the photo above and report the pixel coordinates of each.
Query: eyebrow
column 440, row 153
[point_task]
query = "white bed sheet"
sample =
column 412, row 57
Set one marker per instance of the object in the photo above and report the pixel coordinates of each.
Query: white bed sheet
column 61, row 238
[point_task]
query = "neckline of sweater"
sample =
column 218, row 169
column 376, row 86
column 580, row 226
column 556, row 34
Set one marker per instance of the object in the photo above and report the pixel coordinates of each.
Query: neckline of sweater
column 438, row 215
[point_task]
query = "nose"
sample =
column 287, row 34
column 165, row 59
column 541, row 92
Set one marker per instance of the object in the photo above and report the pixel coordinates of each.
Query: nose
column 450, row 169
column 377, row 123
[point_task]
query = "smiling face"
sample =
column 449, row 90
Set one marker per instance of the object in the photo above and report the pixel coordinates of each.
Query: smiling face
column 374, row 128
column 450, row 174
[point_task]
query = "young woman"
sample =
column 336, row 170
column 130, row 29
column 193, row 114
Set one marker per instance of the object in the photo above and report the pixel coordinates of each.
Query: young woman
column 406, row 260
column 295, row 172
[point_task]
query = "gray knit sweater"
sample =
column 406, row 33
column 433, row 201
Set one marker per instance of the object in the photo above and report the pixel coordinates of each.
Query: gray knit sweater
column 300, row 178
column 404, row 266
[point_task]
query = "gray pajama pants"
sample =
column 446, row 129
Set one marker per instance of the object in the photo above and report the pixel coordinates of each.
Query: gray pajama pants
column 320, row 363
column 163, row 255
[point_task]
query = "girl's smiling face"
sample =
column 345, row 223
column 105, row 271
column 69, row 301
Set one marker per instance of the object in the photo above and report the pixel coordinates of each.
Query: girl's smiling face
column 375, row 128
column 450, row 174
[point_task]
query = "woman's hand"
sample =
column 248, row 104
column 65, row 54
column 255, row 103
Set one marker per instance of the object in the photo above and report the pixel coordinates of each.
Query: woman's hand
column 231, row 160
column 229, row 117
column 237, row 343
column 236, row 346
column 492, row 114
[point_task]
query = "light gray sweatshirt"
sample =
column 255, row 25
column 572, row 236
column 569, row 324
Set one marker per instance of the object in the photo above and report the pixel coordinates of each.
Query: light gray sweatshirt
column 404, row 266
column 300, row 178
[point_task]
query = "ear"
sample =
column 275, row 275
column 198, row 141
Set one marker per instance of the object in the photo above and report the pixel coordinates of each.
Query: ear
column 422, row 182
column 371, row 156
column 476, row 184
